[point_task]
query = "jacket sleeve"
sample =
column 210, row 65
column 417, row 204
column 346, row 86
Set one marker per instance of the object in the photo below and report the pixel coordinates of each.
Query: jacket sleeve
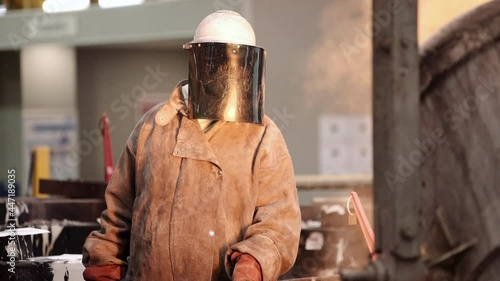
column 274, row 235
column 110, row 244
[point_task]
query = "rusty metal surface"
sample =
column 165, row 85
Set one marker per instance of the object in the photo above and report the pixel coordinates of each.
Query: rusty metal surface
column 334, row 182
column 30, row 209
column 396, row 121
column 74, row 189
column 460, row 113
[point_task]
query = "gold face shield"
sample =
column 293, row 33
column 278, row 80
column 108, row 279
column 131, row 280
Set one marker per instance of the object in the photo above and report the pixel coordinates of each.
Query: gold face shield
column 226, row 82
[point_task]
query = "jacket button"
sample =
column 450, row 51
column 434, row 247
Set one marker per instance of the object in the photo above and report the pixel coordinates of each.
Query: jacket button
column 176, row 151
column 220, row 172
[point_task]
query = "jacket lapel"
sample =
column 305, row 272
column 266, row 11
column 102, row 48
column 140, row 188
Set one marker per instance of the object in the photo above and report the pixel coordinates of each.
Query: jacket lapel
column 192, row 143
column 173, row 106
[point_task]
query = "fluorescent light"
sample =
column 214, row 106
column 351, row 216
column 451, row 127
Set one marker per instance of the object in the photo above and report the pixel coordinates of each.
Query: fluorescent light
column 118, row 3
column 3, row 10
column 56, row 6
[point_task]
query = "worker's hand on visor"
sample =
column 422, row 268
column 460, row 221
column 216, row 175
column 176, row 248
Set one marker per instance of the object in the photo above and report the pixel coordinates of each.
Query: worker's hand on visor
column 103, row 273
column 246, row 267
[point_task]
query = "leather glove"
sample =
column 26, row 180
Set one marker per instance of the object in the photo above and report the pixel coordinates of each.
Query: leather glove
column 103, row 273
column 246, row 267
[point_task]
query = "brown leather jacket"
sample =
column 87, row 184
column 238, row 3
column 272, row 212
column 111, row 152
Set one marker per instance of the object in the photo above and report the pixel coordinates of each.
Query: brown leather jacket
column 181, row 201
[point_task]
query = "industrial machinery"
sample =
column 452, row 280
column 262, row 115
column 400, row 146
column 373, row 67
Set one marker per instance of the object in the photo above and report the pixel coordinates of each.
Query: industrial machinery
column 437, row 207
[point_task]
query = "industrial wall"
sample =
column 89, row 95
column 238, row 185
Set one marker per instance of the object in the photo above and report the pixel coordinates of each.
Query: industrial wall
column 308, row 73
column 113, row 81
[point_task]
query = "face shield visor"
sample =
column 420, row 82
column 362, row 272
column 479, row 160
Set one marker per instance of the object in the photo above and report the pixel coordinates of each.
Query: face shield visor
column 226, row 82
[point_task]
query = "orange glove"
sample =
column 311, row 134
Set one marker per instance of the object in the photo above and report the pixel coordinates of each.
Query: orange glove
column 103, row 273
column 246, row 268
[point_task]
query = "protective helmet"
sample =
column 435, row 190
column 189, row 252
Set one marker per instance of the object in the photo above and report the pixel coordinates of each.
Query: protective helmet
column 226, row 70
column 225, row 27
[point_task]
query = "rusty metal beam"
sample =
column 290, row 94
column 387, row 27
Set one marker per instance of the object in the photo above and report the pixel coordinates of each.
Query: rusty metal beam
column 396, row 128
column 73, row 189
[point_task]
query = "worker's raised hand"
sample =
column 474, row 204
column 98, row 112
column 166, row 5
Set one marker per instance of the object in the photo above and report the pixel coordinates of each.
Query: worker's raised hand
column 246, row 268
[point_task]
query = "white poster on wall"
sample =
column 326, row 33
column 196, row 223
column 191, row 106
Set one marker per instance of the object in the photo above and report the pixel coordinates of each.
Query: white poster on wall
column 57, row 129
column 345, row 144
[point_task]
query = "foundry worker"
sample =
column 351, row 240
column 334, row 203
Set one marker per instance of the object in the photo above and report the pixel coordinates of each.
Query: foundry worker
column 204, row 189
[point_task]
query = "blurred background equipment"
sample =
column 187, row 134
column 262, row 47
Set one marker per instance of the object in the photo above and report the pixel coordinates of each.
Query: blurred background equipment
column 23, row 4
column 330, row 239
column 108, row 155
column 363, row 220
column 40, row 163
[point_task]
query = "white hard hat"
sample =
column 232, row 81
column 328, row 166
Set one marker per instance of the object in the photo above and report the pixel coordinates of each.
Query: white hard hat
column 225, row 27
